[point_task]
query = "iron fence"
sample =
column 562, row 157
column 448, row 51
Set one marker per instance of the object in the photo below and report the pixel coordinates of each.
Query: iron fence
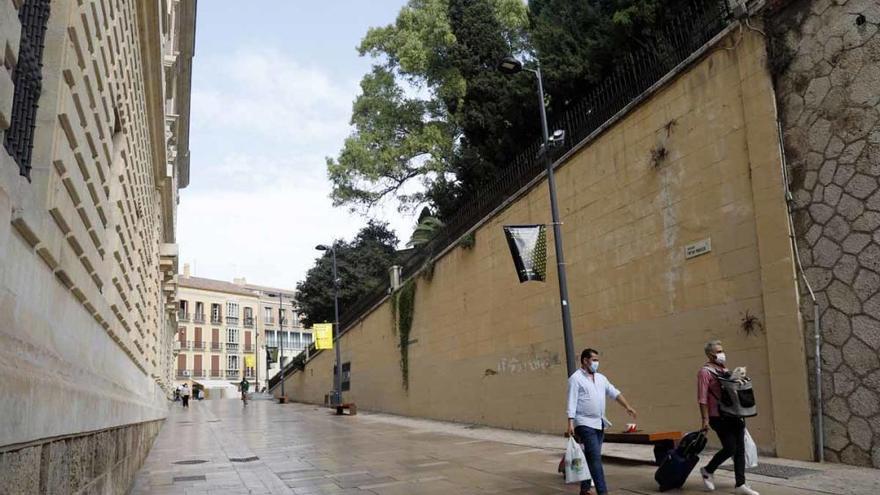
column 698, row 23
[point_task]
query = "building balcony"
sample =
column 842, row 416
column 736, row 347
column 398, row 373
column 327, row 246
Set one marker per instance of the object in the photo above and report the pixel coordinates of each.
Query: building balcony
column 216, row 346
column 232, row 347
column 249, row 348
column 216, row 373
column 248, row 323
column 232, row 320
column 233, row 373
column 184, row 345
column 269, row 321
column 249, row 373
column 216, row 319
column 198, row 373
column 199, row 318
column 183, row 316
column 183, row 374
column 198, row 345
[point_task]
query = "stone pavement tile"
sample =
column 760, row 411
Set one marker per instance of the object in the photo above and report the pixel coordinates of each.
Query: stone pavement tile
column 364, row 481
column 304, row 450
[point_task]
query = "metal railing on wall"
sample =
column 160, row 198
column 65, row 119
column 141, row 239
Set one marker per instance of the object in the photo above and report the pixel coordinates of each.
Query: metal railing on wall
column 698, row 23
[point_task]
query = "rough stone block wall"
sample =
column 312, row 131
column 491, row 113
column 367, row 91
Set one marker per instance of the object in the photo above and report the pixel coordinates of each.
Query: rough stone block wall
column 826, row 55
column 97, row 463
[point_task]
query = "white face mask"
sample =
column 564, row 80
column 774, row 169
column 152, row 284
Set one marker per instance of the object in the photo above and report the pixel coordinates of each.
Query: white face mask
column 720, row 358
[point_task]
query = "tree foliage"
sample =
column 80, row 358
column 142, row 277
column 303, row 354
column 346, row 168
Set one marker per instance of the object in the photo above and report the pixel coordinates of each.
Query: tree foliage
column 432, row 97
column 580, row 43
column 362, row 265
column 435, row 111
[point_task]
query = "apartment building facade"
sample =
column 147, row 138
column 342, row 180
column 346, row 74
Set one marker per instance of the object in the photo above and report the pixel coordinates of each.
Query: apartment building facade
column 231, row 330
column 94, row 119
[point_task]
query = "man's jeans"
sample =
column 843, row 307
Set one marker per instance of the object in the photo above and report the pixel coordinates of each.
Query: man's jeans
column 592, row 440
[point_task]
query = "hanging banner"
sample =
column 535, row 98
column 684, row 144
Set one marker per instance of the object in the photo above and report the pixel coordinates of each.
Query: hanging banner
column 323, row 335
column 249, row 362
column 271, row 354
column 528, row 246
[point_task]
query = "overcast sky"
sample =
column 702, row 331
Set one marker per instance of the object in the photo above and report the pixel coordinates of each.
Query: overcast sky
column 273, row 85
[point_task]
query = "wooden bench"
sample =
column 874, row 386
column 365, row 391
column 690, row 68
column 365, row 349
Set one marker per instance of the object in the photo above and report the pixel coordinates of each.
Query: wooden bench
column 351, row 406
column 663, row 442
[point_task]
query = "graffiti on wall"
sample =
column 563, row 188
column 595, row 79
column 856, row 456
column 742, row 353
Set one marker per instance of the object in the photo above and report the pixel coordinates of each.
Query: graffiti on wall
column 526, row 362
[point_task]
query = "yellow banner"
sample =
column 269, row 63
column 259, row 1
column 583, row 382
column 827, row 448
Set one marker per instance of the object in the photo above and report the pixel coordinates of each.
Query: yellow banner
column 323, row 335
column 249, row 362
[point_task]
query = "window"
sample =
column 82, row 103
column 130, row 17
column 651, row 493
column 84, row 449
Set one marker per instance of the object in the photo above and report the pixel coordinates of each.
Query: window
column 200, row 309
column 232, row 310
column 307, row 339
column 249, row 314
column 232, row 362
column 232, row 335
column 271, row 338
column 297, row 341
column 283, row 316
column 215, row 313
column 27, row 78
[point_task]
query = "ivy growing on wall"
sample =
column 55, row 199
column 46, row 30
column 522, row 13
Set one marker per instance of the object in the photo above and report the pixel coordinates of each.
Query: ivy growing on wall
column 402, row 306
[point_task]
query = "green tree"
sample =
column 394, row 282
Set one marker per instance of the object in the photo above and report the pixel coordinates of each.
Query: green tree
column 580, row 42
column 417, row 112
column 362, row 265
column 427, row 227
column 496, row 113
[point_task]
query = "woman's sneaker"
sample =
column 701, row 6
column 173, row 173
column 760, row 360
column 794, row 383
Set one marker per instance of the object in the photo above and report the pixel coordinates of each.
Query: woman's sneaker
column 708, row 480
column 744, row 490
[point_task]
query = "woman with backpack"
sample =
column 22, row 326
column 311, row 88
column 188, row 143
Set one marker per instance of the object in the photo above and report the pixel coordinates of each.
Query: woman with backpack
column 729, row 425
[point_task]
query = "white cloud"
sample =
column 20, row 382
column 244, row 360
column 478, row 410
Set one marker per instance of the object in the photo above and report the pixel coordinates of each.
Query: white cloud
column 265, row 92
column 259, row 199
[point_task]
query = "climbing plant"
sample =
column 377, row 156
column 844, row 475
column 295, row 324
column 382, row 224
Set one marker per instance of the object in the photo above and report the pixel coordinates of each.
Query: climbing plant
column 402, row 306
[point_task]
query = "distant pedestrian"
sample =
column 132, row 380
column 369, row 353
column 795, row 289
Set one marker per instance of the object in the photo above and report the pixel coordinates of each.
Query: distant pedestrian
column 184, row 394
column 587, row 390
column 244, row 385
column 730, row 429
column 177, row 394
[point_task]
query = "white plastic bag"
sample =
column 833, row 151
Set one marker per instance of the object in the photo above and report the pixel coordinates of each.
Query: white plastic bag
column 576, row 469
column 751, row 451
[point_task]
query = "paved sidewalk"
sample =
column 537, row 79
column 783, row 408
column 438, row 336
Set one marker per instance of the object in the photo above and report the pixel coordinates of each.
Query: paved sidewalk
column 269, row 448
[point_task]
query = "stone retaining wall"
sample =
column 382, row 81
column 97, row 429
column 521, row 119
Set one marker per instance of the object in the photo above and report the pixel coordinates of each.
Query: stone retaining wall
column 827, row 57
column 97, row 462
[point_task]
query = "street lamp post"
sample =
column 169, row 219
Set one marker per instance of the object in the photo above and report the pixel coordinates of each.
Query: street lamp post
column 281, row 340
column 511, row 66
column 337, row 378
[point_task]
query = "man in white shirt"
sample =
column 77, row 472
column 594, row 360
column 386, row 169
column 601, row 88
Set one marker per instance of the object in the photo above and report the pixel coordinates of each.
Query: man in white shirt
column 587, row 389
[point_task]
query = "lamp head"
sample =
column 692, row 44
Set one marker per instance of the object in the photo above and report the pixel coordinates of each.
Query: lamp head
column 321, row 247
column 510, row 65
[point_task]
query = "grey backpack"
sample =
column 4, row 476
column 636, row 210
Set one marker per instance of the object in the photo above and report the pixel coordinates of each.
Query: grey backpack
column 737, row 397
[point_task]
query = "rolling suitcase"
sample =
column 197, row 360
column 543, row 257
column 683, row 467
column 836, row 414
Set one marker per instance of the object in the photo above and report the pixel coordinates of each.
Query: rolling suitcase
column 680, row 461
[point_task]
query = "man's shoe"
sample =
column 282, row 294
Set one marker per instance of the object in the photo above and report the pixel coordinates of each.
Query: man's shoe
column 744, row 490
column 708, row 480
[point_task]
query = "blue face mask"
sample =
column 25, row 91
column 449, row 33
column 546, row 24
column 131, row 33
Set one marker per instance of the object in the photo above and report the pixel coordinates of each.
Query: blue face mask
column 594, row 366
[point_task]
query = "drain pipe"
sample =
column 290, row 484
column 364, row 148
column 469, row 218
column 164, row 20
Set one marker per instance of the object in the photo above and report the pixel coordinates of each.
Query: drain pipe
column 817, row 333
